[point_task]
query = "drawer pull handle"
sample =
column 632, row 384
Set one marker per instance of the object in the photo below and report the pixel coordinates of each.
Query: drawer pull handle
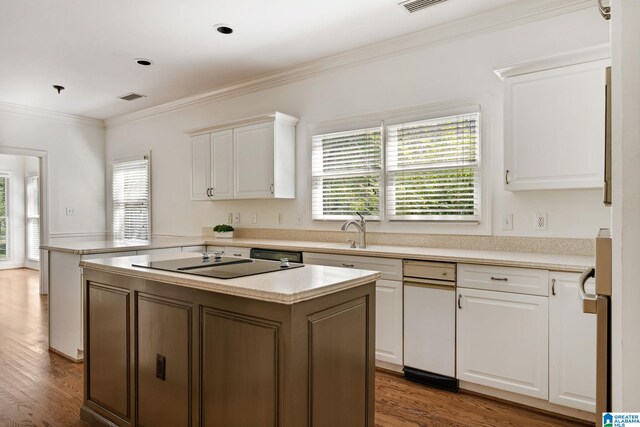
column 237, row 254
column 347, row 265
column 499, row 279
column 553, row 287
column 459, row 301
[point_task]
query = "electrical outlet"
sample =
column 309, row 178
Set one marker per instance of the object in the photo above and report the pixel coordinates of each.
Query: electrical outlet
column 229, row 218
column 507, row 222
column 299, row 219
column 236, row 218
column 540, row 221
column 254, row 218
column 71, row 211
column 279, row 218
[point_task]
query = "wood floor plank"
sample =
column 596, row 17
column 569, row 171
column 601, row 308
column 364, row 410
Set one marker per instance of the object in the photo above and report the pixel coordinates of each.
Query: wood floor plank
column 41, row 389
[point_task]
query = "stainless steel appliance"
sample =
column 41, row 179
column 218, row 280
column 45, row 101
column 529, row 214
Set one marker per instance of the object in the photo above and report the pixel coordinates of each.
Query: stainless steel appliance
column 430, row 323
column 219, row 267
column 600, row 305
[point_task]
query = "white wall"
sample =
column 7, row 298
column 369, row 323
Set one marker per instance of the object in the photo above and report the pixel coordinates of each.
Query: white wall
column 439, row 73
column 75, row 156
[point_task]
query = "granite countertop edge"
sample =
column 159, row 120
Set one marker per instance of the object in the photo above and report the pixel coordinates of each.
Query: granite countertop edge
column 569, row 263
column 228, row 287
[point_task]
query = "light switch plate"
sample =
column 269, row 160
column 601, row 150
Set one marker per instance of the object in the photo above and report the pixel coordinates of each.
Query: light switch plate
column 507, row 222
column 229, row 218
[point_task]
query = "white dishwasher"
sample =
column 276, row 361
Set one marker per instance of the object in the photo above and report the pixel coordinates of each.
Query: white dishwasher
column 430, row 323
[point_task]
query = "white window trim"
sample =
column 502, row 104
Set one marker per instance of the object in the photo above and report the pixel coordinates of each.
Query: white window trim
column 485, row 104
column 131, row 157
column 27, row 217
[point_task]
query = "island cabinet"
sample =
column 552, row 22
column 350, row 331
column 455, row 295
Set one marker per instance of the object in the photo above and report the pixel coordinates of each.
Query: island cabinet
column 389, row 302
column 160, row 354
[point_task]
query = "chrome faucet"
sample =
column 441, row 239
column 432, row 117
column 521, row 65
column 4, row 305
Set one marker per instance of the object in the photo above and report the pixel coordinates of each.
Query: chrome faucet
column 362, row 229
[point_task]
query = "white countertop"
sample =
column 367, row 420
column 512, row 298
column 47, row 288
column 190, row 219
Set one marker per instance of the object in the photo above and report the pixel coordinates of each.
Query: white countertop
column 573, row 263
column 284, row 287
column 110, row 246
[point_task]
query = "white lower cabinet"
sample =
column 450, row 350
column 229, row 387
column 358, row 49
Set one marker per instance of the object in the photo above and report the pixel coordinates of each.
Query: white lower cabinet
column 572, row 345
column 389, row 321
column 502, row 341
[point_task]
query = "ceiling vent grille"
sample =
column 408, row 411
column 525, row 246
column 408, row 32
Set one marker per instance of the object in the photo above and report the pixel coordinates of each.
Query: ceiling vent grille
column 415, row 5
column 131, row 96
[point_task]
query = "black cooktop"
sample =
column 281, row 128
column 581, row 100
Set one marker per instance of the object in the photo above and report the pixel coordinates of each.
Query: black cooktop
column 225, row 268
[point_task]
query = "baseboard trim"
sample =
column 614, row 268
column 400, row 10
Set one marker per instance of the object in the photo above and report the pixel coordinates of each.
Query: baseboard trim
column 66, row 356
column 528, row 402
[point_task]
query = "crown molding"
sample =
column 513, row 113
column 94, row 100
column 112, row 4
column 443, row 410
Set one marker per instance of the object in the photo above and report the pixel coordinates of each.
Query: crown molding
column 50, row 115
column 513, row 15
column 590, row 54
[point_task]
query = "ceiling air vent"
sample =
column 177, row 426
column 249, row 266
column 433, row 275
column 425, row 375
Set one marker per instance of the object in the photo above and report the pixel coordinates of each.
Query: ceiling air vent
column 131, row 96
column 415, row 5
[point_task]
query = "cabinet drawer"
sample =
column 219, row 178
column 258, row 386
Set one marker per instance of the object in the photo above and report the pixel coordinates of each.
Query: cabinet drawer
column 391, row 269
column 430, row 270
column 237, row 252
column 504, row 279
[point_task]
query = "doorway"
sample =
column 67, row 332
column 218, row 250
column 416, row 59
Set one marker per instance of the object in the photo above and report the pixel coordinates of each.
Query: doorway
column 23, row 213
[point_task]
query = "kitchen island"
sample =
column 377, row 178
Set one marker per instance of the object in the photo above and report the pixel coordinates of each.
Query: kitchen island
column 286, row 348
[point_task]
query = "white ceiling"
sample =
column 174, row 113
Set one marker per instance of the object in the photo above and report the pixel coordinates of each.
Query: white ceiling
column 89, row 46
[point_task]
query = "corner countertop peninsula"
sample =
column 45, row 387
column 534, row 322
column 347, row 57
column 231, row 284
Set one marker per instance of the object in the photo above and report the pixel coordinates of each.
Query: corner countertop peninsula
column 286, row 348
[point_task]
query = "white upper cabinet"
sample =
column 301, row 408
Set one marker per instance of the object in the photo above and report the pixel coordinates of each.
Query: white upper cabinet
column 554, row 118
column 200, row 167
column 222, row 165
column 253, row 149
column 252, row 158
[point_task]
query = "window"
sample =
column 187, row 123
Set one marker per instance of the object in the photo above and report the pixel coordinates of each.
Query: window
column 131, row 198
column 428, row 169
column 347, row 174
column 4, row 216
column 33, row 218
column 432, row 169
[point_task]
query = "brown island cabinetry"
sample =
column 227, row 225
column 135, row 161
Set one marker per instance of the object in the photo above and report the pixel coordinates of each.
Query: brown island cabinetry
column 289, row 348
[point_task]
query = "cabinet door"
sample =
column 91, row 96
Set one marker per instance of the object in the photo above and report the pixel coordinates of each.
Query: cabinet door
column 572, row 345
column 502, row 341
column 108, row 365
column 253, row 159
column 389, row 321
column 554, row 128
column 163, row 362
column 222, row 165
column 200, row 167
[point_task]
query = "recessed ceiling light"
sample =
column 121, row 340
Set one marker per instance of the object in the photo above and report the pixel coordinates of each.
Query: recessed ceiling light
column 223, row 29
column 144, row 61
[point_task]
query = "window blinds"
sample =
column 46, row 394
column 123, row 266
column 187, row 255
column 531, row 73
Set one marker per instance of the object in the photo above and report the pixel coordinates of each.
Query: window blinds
column 4, row 220
column 131, row 199
column 432, row 169
column 346, row 174
column 33, row 218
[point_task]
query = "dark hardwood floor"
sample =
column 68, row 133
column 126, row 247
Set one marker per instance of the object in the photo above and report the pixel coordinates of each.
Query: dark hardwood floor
column 39, row 388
